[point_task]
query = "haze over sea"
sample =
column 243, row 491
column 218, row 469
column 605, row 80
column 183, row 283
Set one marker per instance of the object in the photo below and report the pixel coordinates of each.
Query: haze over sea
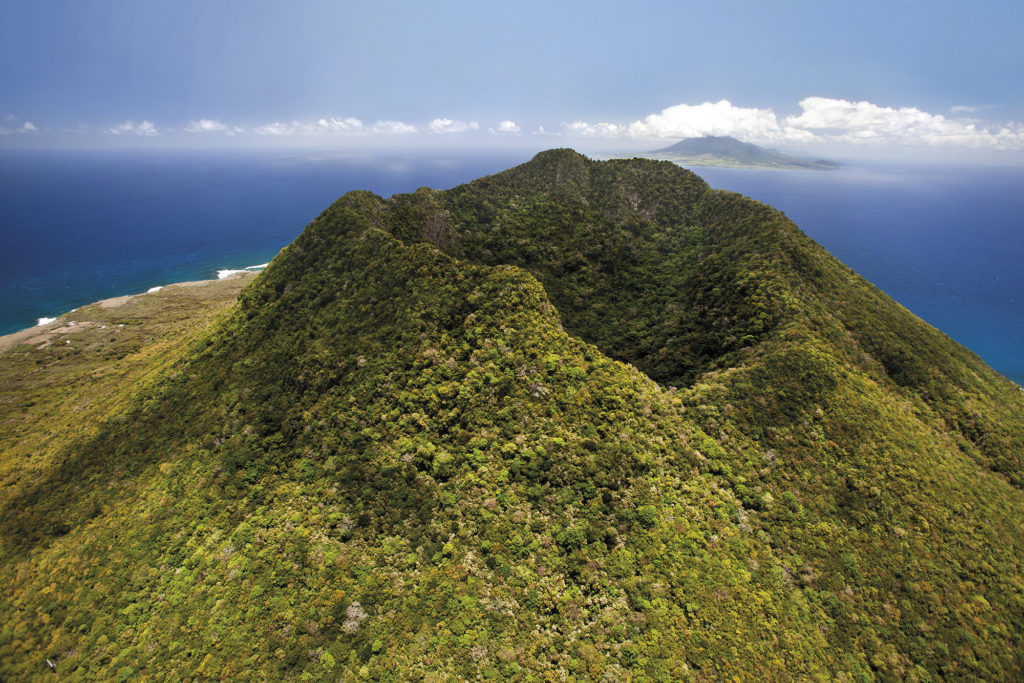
column 945, row 241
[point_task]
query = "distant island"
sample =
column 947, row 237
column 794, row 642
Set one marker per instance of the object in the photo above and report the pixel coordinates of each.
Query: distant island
column 730, row 152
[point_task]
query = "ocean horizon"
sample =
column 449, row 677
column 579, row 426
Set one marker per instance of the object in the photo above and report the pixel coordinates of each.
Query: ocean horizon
column 945, row 241
column 84, row 226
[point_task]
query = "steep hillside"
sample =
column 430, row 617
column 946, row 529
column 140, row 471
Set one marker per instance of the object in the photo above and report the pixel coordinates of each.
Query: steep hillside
column 577, row 418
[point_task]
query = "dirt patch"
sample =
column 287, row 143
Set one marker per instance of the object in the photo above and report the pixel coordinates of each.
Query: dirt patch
column 42, row 336
column 117, row 301
column 196, row 283
column 9, row 341
column 51, row 335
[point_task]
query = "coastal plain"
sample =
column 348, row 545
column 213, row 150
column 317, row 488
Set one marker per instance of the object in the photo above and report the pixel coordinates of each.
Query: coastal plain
column 58, row 377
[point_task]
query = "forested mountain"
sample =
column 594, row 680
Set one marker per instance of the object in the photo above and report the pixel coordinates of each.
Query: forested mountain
column 713, row 150
column 581, row 419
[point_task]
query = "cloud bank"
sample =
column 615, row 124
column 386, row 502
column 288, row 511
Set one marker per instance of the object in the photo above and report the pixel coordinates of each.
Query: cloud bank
column 336, row 125
column 449, row 126
column 131, row 128
column 821, row 120
column 354, row 126
column 864, row 122
column 393, row 128
column 27, row 127
column 212, row 126
column 332, row 125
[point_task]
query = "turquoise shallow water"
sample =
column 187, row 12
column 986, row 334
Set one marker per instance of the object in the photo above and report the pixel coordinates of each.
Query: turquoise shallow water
column 946, row 242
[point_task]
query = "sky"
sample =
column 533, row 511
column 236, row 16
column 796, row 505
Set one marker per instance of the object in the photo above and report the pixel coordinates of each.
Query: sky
column 838, row 76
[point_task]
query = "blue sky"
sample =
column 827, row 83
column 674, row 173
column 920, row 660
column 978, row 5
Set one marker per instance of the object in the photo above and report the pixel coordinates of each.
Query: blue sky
column 860, row 77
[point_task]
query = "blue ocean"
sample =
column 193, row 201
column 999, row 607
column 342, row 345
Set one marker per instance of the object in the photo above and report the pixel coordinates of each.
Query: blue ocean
column 82, row 226
column 947, row 242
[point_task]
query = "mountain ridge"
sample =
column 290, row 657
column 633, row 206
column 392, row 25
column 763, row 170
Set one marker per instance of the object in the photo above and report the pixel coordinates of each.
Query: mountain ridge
column 576, row 418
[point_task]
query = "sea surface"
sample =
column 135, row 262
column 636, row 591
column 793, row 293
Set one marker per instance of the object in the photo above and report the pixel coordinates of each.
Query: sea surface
column 947, row 242
column 77, row 227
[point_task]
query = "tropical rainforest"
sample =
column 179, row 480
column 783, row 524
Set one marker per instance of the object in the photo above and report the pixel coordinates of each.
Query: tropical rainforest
column 575, row 421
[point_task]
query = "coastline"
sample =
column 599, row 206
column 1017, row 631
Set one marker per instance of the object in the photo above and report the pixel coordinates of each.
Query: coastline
column 709, row 161
column 714, row 161
column 51, row 330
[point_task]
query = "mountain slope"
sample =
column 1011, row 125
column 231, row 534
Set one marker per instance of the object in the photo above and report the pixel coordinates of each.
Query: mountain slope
column 408, row 452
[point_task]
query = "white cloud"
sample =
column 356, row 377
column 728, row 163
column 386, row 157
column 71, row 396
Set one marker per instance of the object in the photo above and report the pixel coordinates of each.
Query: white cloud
column 132, row 128
column 860, row 118
column 449, row 126
column 393, row 128
column 717, row 118
column 865, row 122
column 278, row 128
column 698, row 120
column 507, row 127
column 206, row 126
column 593, row 130
column 299, row 128
column 26, row 127
column 819, row 121
column 336, row 125
column 822, row 120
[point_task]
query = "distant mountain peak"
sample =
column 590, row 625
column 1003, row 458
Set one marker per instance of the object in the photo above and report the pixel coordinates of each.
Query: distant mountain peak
column 712, row 144
column 724, row 150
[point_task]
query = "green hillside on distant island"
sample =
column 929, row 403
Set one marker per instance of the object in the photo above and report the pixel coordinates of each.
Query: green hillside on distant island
column 576, row 421
column 728, row 151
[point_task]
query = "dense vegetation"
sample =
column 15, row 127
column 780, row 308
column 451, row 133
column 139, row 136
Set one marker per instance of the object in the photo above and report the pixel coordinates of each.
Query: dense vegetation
column 575, row 420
